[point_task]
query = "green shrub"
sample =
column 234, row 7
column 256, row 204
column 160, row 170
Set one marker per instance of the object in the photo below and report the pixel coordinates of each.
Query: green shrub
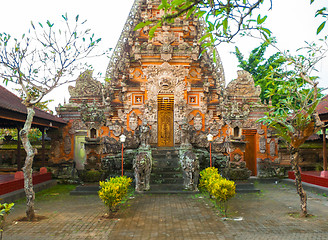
column 5, row 209
column 91, row 176
column 206, row 176
column 218, row 187
column 113, row 191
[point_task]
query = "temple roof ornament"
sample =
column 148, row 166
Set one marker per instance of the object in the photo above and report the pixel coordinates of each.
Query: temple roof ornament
column 86, row 86
column 243, row 86
column 122, row 54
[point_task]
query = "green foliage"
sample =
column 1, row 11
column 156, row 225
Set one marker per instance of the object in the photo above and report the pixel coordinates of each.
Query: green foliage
column 45, row 56
column 261, row 68
column 206, row 176
column 5, row 209
column 322, row 12
column 294, row 118
column 113, row 191
column 34, row 134
column 218, row 187
column 224, row 19
column 91, row 176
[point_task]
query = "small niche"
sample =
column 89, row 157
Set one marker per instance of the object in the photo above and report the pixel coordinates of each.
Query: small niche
column 93, row 133
column 236, row 132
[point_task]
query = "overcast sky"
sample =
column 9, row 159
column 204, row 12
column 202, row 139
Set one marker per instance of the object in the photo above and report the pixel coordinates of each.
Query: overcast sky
column 291, row 21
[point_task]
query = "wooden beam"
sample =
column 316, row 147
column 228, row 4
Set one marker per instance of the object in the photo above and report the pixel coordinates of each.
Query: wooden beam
column 324, row 149
column 43, row 149
column 19, row 160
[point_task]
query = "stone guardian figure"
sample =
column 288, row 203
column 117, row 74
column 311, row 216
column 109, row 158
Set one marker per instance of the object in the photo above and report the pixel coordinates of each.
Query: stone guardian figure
column 144, row 132
column 142, row 165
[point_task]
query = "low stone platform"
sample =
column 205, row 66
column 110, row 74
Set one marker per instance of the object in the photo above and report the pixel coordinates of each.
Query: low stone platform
column 87, row 189
column 246, row 187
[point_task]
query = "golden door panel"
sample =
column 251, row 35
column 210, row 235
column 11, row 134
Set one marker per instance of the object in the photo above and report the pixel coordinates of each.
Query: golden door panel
column 165, row 121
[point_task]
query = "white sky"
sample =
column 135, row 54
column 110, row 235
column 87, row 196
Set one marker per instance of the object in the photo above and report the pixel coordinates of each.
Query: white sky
column 291, row 21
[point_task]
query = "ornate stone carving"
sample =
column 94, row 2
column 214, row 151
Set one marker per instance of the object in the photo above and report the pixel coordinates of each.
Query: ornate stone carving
column 67, row 144
column 262, row 144
column 144, row 132
column 232, row 109
column 86, row 86
column 216, row 126
column 190, row 167
column 198, row 122
column 92, row 115
column 133, row 121
column 77, row 125
column 272, row 148
column 185, row 133
column 243, row 86
column 110, row 145
column 142, row 165
column 165, row 78
column 261, row 131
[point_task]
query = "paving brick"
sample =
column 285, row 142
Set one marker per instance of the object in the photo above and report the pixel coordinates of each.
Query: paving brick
column 160, row 216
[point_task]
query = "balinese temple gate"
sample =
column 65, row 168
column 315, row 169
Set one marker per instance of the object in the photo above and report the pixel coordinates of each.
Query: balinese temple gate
column 164, row 95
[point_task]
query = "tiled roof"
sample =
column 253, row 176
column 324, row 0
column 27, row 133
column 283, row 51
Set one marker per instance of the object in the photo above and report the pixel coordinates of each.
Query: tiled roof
column 10, row 101
column 323, row 105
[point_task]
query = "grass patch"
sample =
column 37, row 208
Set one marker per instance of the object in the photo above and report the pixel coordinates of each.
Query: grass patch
column 52, row 193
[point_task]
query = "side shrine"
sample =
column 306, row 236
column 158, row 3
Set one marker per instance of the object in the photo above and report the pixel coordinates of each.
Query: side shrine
column 164, row 94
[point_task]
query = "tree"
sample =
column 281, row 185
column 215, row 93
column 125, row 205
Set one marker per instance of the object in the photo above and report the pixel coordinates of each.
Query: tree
column 260, row 67
column 41, row 60
column 294, row 118
column 225, row 19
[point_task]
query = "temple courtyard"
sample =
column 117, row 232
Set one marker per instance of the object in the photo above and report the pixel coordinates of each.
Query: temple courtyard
column 270, row 214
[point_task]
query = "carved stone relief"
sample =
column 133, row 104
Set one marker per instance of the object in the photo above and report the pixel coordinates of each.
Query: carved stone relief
column 77, row 125
column 198, row 122
column 67, row 144
column 262, row 144
column 115, row 127
column 164, row 79
column 86, row 86
column 110, row 145
column 133, row 121
column 243, row 86
column 272, row 148
column 93, row 116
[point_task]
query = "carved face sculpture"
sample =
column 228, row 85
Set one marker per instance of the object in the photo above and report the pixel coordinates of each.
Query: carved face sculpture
column 198, row 122
column 165, row 83
column 133, row 121
column 117, row 130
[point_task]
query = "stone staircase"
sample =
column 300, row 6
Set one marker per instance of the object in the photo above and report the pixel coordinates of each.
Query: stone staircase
column 166, row 175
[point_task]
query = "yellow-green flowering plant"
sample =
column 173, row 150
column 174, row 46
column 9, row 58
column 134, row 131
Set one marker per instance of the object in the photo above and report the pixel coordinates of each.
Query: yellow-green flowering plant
column 113, row 191
column 5, row 209
column 207, row 176
column 218, row 187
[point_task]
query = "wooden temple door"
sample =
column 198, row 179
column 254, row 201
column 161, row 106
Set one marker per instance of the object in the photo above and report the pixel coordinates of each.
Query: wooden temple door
column 165, row 121
column 250, row 151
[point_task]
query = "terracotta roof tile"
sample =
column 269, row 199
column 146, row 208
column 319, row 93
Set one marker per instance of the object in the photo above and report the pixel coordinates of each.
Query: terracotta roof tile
column 323, row 105
column 10, row 101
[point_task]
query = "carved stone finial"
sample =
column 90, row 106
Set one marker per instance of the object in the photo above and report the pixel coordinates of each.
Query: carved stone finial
column 86, row 86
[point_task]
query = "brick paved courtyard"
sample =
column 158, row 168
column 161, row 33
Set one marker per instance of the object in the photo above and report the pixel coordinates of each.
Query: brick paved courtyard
column 264, row 216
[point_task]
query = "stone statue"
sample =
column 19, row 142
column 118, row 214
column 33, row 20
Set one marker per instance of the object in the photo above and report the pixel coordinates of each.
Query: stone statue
column 190, row 166
column 144, row 132
column 185, row 133
column 142, row 168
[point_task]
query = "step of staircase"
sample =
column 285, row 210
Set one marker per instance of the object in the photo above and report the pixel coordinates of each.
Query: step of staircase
column 166, row 176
